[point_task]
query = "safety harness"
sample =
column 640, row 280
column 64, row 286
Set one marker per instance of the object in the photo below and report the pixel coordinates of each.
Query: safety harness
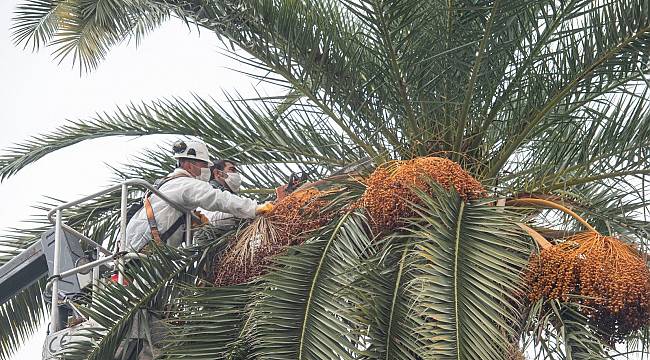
column 151, row 218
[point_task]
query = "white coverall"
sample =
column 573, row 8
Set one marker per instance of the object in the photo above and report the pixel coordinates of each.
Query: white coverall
column 221, row 220
column 190, row 193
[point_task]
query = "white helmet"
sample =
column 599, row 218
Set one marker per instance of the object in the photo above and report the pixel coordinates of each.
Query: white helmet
column 192, row 149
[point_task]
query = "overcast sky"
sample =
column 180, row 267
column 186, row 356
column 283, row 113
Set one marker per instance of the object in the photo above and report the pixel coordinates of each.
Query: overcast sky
column 37, row 95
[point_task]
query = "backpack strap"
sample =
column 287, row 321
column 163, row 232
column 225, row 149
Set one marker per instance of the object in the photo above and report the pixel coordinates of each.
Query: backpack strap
column 151, row 218
column 172, row 229
column 153, row 225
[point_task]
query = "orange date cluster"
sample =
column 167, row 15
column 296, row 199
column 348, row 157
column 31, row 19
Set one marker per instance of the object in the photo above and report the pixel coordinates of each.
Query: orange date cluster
column 389, row 188
column 605, row 276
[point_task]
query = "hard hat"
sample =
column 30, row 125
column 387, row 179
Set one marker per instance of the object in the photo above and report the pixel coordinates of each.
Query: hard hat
column 192, row 149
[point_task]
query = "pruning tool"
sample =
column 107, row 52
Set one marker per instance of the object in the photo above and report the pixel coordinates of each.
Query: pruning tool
column 295, row 180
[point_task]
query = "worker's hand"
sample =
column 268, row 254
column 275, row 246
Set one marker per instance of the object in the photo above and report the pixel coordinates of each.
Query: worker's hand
column 281, row 192
column 202, row 219
column 264, row 208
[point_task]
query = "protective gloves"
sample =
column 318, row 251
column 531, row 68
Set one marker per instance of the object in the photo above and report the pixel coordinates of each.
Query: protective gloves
column 265, row 208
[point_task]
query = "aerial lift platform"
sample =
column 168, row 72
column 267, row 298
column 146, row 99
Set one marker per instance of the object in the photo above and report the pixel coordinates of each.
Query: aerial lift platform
column 69, row 269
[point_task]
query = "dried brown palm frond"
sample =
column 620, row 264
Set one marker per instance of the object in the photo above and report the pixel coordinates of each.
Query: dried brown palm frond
column 246, row 257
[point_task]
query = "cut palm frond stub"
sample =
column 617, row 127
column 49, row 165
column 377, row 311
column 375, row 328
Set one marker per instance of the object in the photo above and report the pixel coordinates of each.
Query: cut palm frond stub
column 605, row 276
column 389, row 194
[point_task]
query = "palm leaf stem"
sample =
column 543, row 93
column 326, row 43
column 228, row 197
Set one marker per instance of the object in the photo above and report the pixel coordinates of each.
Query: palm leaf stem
column 513, row 145
column 471, row 85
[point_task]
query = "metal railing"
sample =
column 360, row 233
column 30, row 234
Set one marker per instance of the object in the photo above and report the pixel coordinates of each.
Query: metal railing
column 55, row 217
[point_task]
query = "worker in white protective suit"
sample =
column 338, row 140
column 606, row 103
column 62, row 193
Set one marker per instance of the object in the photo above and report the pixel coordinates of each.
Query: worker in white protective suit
column 224, row 176
column 187, row 186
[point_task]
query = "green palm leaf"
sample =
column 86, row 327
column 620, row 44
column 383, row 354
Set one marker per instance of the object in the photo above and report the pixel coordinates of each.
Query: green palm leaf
column 20, row 317
column 248, row 135
column 387, row 301
column 474, row 255
column 559, row 331
column 210, row 323
column 301, row 313
column 85, row 30
column 114, row 307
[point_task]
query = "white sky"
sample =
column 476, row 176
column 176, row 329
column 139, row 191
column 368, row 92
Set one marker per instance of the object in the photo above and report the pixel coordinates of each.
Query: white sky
column 37, row 95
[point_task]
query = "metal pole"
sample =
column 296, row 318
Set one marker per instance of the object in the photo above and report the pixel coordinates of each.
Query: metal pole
column 54, row 318
column 91, row 265
column 95, row 287
column 120, row 274
column 188, row 228
column 86, row 239
column 136, row 182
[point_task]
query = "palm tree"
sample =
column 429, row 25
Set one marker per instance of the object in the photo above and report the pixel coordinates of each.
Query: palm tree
column 544, row 97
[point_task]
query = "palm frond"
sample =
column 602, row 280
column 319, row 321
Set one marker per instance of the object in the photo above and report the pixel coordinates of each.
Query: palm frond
column 247, row 134
column 362, row 45
column 386, row 301
column 559, row 331
column 114, row 306
column 470, row 286
column 301, row 310
column 36, row 22
column 85, row 30
column 608, row 138
column 596, row 60
column 616, row 210
column 209, row 322
column 20, row 317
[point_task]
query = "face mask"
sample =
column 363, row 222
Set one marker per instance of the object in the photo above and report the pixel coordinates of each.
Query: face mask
column 204, row 175
column 233, row 181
